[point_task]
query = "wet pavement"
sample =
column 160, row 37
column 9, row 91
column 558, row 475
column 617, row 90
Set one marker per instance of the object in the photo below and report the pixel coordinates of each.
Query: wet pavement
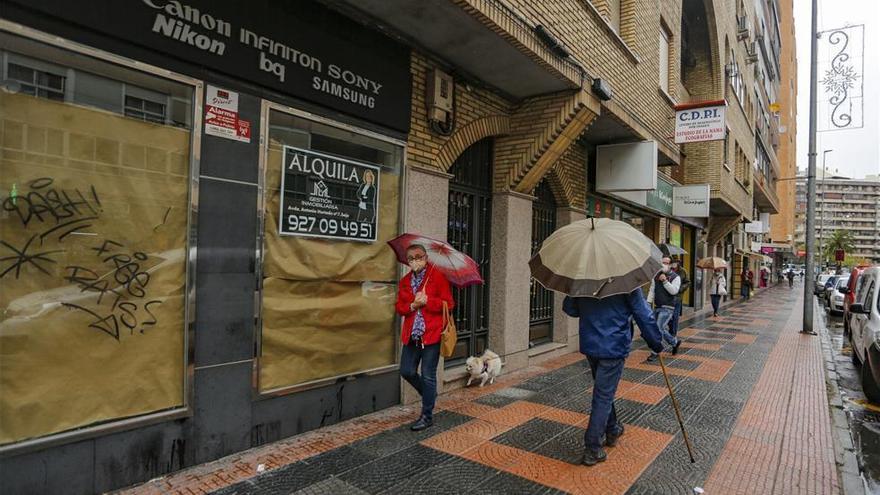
column 863, row 416
column 751, row 390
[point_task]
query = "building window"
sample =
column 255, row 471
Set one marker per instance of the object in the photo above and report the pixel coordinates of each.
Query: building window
column 37, row 82
column 735, row 79
column 613, row 13
column 146, row 110
column 665, row 47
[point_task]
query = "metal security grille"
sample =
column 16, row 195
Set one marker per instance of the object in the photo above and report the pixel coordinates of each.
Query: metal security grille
column 541, row 299
column 470, row 216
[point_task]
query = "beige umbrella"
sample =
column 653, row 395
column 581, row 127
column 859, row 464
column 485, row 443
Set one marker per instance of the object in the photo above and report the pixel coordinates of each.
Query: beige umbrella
column 711, row 263
column 596, row 257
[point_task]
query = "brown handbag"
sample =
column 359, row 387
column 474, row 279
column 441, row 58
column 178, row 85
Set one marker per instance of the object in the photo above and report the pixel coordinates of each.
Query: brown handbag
column 449, row 335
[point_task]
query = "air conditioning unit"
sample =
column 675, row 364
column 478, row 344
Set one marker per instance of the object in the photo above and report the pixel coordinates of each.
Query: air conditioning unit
column 439, row 95
column 742, row 27
column 752, row 52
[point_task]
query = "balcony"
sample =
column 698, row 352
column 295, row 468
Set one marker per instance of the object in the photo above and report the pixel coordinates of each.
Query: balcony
column 487, row 40
column 765, row 193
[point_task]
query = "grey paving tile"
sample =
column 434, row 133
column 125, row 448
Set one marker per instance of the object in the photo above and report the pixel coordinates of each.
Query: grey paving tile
column 531, row 434
column 390, row 470
column 331, row 486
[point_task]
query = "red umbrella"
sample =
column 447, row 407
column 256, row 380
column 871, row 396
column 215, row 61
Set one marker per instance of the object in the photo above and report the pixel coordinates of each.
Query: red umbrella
column 460, row 269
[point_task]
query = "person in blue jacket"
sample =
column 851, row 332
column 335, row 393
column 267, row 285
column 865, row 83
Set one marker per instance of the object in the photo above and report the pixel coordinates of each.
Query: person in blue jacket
column 605, row 339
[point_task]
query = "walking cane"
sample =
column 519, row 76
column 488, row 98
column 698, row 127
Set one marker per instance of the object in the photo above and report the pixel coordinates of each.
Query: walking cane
column 687, row 442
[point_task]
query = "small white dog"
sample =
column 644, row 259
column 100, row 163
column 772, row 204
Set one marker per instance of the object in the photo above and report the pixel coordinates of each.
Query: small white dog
column 485, row 367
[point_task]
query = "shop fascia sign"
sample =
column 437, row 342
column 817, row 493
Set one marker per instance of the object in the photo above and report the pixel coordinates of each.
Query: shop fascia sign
column 298, row 48
column 658, row 199
column 698, row 122
column 691, row 201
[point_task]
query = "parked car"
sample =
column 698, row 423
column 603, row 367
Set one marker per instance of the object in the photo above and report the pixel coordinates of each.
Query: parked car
column 825, row 295
column 820, row 283
column 864, row 333
column 838, row 294
column 849, row 296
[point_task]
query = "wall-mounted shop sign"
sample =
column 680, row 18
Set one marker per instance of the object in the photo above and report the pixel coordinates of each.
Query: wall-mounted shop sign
column 328, row 196
column 700, row 122
column 221, row 115
column 691, row 201
column 660, row 199
column 298, row 48
column 626, row 166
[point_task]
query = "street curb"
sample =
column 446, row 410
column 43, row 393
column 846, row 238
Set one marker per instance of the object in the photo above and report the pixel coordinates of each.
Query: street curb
column 848, row 471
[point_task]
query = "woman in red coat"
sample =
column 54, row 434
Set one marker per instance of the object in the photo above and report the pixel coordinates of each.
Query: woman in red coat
column 420, row 297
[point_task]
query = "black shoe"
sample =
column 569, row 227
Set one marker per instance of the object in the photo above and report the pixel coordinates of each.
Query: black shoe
column 611, row 440
column 652, row 357
column 593, row 457
column 675, row 347
column 421, row 424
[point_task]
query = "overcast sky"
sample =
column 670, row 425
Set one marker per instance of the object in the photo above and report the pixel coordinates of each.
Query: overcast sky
column 856, row 151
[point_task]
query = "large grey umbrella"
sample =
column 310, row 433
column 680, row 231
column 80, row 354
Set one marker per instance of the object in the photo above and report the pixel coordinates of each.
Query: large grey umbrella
column 596, row 257
column 671, row 249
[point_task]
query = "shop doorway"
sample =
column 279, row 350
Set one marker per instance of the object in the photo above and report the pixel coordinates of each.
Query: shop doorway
column 470, row 217
column 541, row 299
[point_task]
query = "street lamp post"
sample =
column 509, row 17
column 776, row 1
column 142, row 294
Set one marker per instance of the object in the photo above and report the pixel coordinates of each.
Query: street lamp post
column 809, row 281
column 821, row 194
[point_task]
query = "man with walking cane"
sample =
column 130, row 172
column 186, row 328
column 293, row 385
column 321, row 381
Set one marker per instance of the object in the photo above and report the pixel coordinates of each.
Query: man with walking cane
column 583, row 260
column 605, row 340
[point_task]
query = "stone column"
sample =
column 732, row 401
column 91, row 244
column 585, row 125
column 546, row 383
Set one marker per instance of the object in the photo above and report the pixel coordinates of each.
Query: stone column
column 565, row 328
column 509, row 278
column 427, row 195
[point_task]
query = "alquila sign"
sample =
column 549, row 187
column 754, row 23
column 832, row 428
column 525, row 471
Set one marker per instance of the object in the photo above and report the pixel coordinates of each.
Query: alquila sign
column 299, row 48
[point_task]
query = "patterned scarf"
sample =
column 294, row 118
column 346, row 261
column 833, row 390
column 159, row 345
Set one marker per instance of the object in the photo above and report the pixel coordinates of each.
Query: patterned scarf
column 419, row 324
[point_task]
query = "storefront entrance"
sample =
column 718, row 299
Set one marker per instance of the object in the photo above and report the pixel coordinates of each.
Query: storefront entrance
column 470, row 216
column 541, row 299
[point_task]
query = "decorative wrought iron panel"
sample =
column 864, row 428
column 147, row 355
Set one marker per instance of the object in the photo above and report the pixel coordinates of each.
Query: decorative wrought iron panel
column 541, row 299
column 469, row 231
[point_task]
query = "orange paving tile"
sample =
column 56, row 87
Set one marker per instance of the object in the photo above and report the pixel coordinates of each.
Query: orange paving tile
column 563, row 416
column 637, row 448
column 640, row 392
column 481, row 429
column 453, row 442
column 709, row 369
column 701, row 346
column 495, row 455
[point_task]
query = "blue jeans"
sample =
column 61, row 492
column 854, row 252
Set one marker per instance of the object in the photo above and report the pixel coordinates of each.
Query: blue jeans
column 426, row 383
column 603, row 416
column 676, row 314
column 716, row 301
column 663, row 315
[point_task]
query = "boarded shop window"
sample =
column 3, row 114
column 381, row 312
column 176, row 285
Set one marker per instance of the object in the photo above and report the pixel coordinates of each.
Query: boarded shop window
column 327, row 304
column 93, row 237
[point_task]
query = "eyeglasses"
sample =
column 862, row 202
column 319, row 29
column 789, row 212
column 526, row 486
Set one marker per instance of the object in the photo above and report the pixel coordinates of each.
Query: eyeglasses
column 419, row 257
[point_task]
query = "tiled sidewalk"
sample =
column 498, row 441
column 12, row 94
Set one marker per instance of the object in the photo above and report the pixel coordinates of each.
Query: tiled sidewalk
column 750, row 387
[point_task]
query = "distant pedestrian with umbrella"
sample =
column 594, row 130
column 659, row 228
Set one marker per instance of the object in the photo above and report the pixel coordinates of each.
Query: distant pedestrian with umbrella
column 718, row 282
column 424, row 301
column 600, row 265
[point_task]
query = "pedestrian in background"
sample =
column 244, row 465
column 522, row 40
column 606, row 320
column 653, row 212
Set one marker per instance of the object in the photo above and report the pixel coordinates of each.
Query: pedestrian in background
column 717, row 289
column 605, row 339
column 679, row 298
column 664, row 289
column 420, row 297
column 790, row 277
column 746, row 278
